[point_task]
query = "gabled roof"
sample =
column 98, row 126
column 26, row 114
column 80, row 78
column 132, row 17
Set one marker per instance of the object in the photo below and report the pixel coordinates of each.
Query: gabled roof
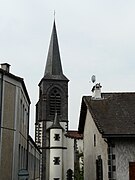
column 53, row 69
column 34, row 144
column 114, row 114
column 74, row 135
column 17, row 78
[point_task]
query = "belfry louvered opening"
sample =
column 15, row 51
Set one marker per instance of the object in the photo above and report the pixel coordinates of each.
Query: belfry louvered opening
column 55, row 101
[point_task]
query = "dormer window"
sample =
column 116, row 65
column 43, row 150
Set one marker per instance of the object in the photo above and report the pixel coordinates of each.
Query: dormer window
column 55, row 102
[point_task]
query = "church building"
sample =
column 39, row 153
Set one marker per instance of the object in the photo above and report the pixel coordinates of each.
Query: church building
column 51, row 127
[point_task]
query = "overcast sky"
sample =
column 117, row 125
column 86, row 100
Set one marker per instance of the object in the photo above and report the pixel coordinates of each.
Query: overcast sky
column 95, row 37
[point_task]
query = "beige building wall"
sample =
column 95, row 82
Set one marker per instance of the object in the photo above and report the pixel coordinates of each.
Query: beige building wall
column 7, row 131
column 34, row 161
column 14, row 126
column 94, row 145
column 21, row 134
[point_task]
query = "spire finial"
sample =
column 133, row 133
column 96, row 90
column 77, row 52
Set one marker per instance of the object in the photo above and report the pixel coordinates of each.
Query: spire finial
column 54, row 14
column 55, row 118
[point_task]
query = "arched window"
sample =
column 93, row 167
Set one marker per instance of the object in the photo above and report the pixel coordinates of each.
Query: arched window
column 55, row 101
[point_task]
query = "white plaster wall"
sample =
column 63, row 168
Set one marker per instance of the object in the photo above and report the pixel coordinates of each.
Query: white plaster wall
column 80, row 145
column 65, row 163
column 54, row 143
column 55, row 170
column 80, row 149
column 64, row 139
column 91, row 152
column 125, row 153
column 70, row 155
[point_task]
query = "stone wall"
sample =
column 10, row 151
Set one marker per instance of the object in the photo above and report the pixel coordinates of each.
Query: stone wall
column 125, row 153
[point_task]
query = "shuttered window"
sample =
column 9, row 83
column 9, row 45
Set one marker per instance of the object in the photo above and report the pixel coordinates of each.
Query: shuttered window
column 55, row 102
column 99, row 168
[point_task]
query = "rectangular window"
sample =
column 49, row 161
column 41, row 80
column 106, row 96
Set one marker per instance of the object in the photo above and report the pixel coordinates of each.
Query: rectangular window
column 56, row 137
column 94, row 140
column 99, row 168
column 56, row 178
column 56, row 160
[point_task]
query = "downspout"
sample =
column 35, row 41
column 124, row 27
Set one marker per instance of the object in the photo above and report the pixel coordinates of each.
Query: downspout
column 1, row 93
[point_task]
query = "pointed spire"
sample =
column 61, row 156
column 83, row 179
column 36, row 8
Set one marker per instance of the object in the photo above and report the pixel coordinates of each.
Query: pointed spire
column 53, row 69
column 53, row 65
column 56, row 123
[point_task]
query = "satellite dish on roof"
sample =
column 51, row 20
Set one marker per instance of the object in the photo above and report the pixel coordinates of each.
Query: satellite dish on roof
column 93, row 78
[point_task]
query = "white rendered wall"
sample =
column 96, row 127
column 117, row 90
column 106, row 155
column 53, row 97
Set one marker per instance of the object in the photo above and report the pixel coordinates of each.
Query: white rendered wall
column 80, row 145
column 56, row 151
column 80, row 149
column 69, row 155
column 91, row 152
column 54, row 143
column 55, row 170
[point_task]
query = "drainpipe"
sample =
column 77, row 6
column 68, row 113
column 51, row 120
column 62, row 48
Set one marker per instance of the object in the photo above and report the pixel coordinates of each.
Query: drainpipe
column 1, row 93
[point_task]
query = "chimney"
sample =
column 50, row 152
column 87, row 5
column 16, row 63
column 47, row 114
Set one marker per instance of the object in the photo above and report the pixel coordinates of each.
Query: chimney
column 96, row 90
column 5, row 67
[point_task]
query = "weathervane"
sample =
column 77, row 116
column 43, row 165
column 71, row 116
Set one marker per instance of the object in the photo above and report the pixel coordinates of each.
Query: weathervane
column 54, row 14
column 93, row 78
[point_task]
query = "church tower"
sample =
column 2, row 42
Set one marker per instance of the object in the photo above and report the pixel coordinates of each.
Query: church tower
column 52, row 113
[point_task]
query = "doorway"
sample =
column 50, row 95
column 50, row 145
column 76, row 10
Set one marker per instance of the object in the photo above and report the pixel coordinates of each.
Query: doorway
column 131, row 170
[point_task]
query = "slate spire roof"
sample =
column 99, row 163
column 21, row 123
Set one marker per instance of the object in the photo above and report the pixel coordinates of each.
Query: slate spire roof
column 56, row 124
column 53, row 69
